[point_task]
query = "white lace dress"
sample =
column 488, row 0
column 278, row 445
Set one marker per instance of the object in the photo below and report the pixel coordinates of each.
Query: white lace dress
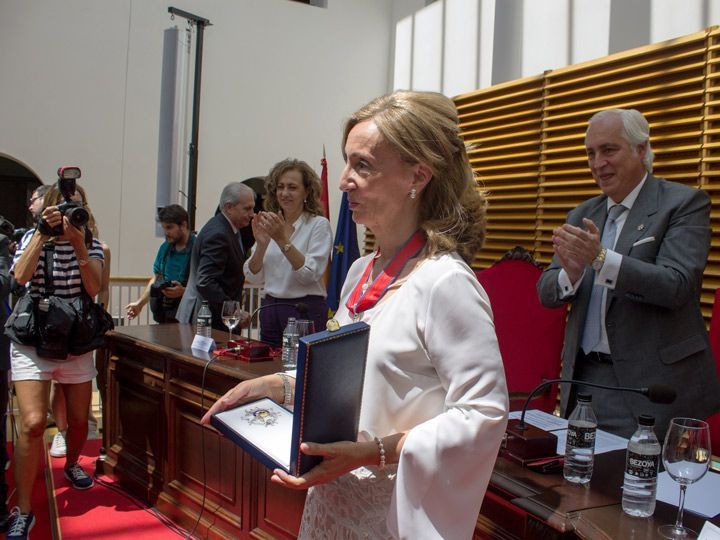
column 434, row 370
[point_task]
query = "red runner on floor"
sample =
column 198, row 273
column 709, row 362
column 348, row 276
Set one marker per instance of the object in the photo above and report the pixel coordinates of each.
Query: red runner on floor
column 100, row 512
column 39, row 501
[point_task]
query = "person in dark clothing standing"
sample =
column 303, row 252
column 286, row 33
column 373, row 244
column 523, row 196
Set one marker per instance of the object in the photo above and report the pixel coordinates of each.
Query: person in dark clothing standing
column 217, row 259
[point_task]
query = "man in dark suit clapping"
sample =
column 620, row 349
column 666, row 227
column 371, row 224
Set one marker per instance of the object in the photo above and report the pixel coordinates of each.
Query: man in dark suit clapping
column 217, row 259
column 631, row 262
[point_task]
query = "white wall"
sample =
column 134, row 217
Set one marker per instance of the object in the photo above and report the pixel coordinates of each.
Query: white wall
column 80, row 84
column 522, row 38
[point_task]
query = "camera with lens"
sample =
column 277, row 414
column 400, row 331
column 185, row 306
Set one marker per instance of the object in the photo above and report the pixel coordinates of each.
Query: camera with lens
column 76, row 214
column 6, row 227
column 157, row 287
column 19, row 233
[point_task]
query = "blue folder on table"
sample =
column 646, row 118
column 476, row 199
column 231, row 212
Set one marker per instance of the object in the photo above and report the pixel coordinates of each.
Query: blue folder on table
column 328, row 393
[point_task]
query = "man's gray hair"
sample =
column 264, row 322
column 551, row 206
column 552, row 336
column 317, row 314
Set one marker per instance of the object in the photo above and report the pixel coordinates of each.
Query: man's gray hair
column 636, row 130
column 232, row 193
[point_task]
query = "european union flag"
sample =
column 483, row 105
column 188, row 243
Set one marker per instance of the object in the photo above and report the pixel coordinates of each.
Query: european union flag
column 345, row 251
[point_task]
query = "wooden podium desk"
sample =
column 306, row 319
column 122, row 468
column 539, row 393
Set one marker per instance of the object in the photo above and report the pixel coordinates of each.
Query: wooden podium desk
column 153, row 437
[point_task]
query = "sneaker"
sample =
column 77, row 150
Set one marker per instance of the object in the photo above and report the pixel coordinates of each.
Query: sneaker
column 93, row 432
column 58, row 448
column 19, row 525
column 77, row 476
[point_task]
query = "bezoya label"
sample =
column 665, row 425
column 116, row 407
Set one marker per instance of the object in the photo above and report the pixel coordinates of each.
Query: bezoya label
column 581, row 437
column 642, row 466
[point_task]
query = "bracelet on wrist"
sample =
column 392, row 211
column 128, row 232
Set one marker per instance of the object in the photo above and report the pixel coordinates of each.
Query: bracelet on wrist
column 381, row 451
column 287, row 389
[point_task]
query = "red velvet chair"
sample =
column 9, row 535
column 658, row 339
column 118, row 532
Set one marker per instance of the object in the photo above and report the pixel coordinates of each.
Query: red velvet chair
column 714, row 420
column 530, row 335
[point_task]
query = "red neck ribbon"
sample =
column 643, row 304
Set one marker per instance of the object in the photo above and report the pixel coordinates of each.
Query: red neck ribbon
column 361, row 300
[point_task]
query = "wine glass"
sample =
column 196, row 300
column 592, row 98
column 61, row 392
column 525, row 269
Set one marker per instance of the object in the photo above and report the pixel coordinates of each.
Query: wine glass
column 686, row 456
column 230, row 316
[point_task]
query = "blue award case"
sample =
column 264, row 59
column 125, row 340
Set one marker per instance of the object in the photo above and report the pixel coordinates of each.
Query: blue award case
column 328, row 393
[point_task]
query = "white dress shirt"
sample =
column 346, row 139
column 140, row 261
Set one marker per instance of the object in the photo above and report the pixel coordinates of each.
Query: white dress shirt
column 313, row 238
column 434, row 370
column 607, row 276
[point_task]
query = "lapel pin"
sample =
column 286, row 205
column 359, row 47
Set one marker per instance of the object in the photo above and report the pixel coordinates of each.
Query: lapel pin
column 640, row 227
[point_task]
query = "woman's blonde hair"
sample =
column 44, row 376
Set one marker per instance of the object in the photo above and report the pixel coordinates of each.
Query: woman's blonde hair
column 423, row 128
column 53, row 197
column 311, row 182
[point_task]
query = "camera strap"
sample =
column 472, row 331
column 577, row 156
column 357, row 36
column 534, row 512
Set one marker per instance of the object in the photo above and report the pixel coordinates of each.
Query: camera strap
column 186, row 272
column 48, row 250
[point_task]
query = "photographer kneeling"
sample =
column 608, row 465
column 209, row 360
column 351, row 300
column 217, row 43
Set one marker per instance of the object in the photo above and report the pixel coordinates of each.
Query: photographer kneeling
column 64, row 268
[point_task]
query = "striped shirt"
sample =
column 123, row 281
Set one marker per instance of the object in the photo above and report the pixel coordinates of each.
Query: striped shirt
column 66, row 271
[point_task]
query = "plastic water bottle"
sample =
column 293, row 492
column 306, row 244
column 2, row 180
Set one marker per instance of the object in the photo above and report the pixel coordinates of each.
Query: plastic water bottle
column 580, row 445
column 203, row 324
column 641, row 469
column 290, row 344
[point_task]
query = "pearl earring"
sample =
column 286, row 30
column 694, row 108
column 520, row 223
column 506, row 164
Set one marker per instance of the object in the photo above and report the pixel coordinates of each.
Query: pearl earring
column 413, row 193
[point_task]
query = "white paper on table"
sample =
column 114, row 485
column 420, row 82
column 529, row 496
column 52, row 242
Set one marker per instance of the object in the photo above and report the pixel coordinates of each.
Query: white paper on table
column 700, row 497
column 604, row 441
column 709, row 532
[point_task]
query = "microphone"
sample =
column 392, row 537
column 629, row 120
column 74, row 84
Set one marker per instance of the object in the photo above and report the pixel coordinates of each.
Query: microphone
column 525, row 442
column 301, row 307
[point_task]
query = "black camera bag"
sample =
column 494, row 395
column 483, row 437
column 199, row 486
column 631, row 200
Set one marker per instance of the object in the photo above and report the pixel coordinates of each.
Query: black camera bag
column 91, row 324
column 55, row 326
column 20, row 325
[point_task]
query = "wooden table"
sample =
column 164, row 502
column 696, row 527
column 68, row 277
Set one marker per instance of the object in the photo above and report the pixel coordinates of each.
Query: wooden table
column 154, row 441
column 152, row 406
column 524, row 504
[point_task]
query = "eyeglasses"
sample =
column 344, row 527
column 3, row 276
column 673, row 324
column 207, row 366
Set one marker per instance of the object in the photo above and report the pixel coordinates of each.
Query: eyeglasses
column 33, row 199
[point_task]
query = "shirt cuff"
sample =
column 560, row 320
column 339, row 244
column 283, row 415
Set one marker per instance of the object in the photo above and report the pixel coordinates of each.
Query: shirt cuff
column 608, row 274
column 567, row 288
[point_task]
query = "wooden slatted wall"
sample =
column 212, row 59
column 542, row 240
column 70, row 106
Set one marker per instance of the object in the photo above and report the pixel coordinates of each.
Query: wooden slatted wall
column 528, row 138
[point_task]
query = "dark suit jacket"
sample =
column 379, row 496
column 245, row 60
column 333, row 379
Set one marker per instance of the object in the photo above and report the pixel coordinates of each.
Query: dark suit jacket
column 654, row 324
column 216, row 272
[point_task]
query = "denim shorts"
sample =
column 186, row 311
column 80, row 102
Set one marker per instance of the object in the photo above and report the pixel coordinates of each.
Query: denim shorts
column 26, row 365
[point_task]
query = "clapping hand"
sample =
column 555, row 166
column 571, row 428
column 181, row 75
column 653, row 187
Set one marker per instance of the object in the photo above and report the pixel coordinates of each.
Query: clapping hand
column 259, row 232
column 576, row 247
column 276, row 226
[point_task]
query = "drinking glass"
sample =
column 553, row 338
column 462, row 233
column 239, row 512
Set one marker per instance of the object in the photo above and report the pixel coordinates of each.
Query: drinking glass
column 230, row 316
column 305, row 327
column 686, row 456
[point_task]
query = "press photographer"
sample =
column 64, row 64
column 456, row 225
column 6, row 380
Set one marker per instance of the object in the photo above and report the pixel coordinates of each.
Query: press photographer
column 170, row 270
column 53, row 331
column 11, row 234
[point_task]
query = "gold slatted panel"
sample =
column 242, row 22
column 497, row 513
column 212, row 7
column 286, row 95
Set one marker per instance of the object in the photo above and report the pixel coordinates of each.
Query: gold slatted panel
column 502, row 126
column 710, row 174
column 529, row 138
column 665, row 83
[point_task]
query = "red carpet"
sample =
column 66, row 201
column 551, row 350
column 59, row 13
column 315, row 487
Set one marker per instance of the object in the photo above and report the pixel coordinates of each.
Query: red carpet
column 100, row 512
column 41, row 530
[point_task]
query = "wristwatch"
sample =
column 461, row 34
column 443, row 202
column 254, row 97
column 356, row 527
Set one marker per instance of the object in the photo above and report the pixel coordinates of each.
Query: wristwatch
column 286, row 247
column 598, row 262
